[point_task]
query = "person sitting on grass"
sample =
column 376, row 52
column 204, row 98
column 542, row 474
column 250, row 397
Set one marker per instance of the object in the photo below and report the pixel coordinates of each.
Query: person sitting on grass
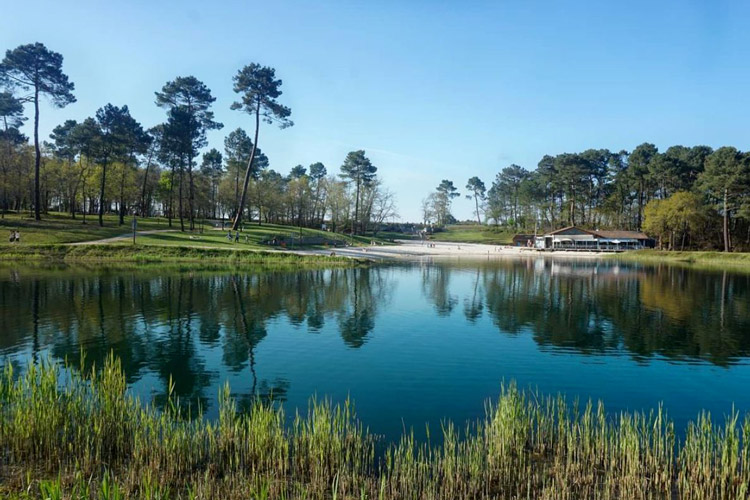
column 18, row 236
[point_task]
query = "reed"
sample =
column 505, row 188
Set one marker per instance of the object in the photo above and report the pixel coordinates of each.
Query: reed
column 149, row 255
column 71, row 434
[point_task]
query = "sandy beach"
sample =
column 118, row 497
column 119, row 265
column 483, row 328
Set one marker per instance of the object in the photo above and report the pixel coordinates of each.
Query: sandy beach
column 410, row 249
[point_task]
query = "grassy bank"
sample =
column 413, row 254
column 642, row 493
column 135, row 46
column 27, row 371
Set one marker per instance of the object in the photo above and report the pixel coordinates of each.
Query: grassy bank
column 87, row 438
column 470, row 233
column 143, row 254
column 58, row 228
column 693, row 258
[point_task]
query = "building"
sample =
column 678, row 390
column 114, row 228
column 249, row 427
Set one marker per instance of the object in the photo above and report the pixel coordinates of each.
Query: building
column 523, row 240
column 576, row 238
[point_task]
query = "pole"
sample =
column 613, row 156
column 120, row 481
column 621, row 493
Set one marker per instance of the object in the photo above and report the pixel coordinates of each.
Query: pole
column 135, row 226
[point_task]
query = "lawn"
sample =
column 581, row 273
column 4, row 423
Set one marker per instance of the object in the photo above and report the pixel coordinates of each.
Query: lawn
column 474, row 233
column 60, row 228
column 251, row 238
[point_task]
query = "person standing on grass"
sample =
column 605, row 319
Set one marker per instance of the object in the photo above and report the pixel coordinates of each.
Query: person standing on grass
column 12, row 236
column 18, row 236
column 229, row 236
column 237, row 237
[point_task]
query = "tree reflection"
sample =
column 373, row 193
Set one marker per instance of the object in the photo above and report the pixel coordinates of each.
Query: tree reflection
column 179, row 325
column 164, row 325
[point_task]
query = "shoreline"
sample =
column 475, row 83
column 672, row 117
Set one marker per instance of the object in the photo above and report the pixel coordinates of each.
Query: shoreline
column 107, row 252
column 153, row 255
column 411, row 250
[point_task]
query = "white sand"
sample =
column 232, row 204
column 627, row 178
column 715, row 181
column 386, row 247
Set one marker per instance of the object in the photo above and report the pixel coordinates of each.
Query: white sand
column 410, row 249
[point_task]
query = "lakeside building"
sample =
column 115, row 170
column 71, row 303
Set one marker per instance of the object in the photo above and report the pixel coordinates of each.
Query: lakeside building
column 523, row 240
column 576, row 238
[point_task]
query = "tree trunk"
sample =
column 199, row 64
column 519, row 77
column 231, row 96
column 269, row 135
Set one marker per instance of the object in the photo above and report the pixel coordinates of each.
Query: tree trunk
column 179, row 200
column 101, row 194
column 241, row 205
column 145, row 181
column 640, row 205
column 356, row 209
column 476, row 203
column 37, row 157
column 191, row 190
column 171, row 196
column 83, row 199
column 122, row 194
column 726, row 222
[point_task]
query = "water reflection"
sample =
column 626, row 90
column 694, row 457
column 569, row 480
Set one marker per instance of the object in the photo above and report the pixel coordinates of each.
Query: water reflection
column 197, row 328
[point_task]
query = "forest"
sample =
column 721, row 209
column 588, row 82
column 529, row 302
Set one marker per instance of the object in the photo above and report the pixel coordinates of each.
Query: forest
column 110, row 163
column 685, row 197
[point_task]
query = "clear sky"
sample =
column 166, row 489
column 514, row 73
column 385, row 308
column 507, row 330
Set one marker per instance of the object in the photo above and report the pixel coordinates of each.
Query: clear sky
column 429, row 89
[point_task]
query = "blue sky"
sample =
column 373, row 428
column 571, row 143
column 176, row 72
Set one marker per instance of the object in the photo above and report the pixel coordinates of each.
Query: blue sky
column 430, row 90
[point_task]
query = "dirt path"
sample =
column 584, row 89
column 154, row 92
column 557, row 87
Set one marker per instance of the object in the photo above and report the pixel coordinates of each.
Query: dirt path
column 115, row 239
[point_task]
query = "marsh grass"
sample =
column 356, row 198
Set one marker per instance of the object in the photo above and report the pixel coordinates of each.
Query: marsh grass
column 67, row 434
column 144, row 255
column 736, row 261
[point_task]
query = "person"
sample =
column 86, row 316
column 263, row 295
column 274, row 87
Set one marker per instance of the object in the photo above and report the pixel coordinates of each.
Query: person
column 12, row 236
column 18, row 236
column 247, row 239
column 229, row 236
column 237, row 237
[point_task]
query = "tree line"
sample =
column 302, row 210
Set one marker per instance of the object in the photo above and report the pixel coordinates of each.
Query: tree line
column 110, row 163
column 684, row 197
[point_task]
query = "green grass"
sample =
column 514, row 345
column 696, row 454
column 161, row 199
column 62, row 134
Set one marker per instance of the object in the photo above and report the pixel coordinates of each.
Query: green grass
column 56, row 228
column 256, row 235
column 60, row 228
column 472, row 233
column 119, row 254
column 64, row 434
column 698, row 259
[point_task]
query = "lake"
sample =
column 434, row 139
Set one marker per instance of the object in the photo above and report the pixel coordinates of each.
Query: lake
column 410, row 343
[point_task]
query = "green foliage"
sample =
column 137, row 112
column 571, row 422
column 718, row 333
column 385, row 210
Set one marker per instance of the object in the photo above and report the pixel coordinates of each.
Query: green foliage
column 11, row 111
column 259, row 90
column 38, row 70
column 676, row 221
column 358, row 170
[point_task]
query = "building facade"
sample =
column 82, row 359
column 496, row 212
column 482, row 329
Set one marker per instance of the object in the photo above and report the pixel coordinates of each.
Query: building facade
column 576, row 238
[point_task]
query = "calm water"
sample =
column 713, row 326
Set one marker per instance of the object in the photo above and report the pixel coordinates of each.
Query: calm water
column 411, row 344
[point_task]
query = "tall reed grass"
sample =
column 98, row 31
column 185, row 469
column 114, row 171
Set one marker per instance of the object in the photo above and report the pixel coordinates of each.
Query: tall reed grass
column 67, row 434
